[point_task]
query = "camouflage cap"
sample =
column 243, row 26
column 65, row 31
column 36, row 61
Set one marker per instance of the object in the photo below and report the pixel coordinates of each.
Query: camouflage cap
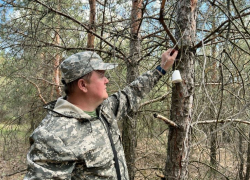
column 82, row 63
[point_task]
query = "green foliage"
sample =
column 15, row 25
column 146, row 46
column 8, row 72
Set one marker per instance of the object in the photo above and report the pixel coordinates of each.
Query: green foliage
column 29, row 47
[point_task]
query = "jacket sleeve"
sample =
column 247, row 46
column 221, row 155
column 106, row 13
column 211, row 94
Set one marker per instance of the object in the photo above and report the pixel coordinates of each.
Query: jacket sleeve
column 48, row 157
column 129, row 98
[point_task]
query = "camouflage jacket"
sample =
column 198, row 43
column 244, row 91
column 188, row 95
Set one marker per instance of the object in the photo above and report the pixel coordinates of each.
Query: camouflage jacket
column 69, row 144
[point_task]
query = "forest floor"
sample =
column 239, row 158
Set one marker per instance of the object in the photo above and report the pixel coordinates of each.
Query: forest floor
column 150, row 159
column 13, row 150
column 13, row 161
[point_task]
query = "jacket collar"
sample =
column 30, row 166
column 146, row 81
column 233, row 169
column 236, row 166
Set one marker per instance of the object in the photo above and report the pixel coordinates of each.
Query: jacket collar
column 61, row 107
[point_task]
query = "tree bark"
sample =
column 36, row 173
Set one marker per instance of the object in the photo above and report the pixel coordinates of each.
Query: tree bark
column 129, row 124
column 57, row 59
column 247, row 177
column 213, row 150
column 56, row 66
column 213, row 128
column 241, row 153
column 91, row 37
column 182, row 97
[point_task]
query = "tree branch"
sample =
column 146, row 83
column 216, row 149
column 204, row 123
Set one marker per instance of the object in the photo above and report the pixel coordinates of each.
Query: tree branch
column 38, row 89
column 218, row 28
column 161, row 19
column 154, row 100
column 210, row 167
column 221, row 121
column 166, row 120
column 84, row 26
column 12, row 174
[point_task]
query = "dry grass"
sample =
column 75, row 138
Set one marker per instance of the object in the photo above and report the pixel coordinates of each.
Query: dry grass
column 150, row 159
column 13, row 152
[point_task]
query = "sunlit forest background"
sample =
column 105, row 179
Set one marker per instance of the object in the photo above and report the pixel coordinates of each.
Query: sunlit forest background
column 196, row 129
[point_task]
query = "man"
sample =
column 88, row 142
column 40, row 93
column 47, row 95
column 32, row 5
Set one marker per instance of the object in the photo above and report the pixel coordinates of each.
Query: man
column 79, row 138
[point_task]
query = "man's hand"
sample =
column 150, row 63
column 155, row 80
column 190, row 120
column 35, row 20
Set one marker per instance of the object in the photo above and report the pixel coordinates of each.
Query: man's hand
column 168, row 58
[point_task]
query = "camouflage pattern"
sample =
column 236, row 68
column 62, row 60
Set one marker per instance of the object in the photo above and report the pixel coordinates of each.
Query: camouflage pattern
column 69, row 144
column 82, row 63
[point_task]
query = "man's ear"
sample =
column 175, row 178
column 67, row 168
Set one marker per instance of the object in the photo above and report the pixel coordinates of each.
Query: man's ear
column 82, row 85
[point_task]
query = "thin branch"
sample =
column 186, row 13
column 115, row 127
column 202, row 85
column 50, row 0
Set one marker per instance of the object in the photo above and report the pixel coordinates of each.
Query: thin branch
column 154, row 100
column 20, row 171
column 160, row 176
column 210, row 167
column 166, row 120
column 38, row 78
column 145, row 155
column 101, row 3
column 84, row 26
column 221, row 121
column 161, row 19
column 218, row 28
column 242, row 79
column 38, row 89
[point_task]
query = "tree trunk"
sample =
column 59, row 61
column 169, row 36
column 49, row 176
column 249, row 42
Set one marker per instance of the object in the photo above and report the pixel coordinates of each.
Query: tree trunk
column 213, row 150
column 213, row 128
column 103, row 20
column 129, row 123
column 182, row 97
column 57, row 59
column 91, row 37
column 247, row 177
column 56, row 66
column 241, row 168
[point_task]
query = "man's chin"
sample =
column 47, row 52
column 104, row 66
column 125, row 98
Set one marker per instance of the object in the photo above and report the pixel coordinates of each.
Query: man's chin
column 106, row 96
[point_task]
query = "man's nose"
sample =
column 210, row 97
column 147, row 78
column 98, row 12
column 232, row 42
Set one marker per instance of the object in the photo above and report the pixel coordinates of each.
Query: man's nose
column 106, row 80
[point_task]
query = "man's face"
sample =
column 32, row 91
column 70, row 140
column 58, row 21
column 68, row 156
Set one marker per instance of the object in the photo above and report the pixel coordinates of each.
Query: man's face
column 97, row 86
